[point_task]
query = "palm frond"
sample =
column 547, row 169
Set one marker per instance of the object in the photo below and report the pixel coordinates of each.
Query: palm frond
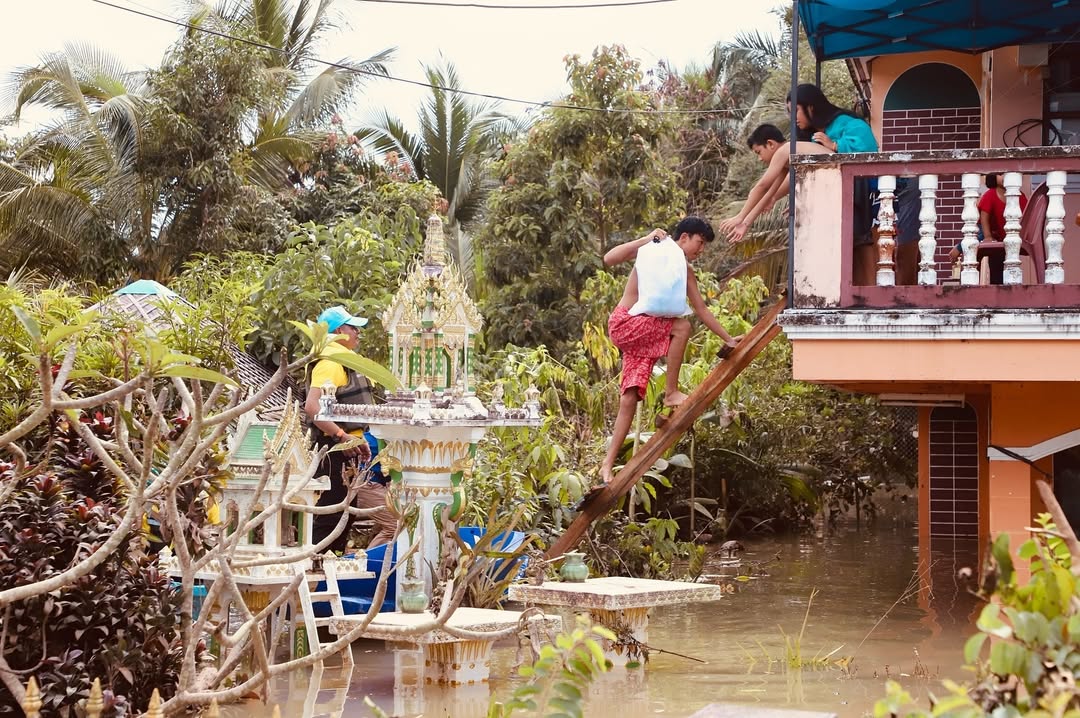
column 764, row 250
column 274, row 154
column 762, row 48
column 301, row 40
column 331, row 90
column 388, row 134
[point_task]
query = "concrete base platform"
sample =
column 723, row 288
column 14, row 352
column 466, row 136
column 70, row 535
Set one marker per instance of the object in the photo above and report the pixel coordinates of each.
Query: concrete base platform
column 446, row 659
column 622, row 605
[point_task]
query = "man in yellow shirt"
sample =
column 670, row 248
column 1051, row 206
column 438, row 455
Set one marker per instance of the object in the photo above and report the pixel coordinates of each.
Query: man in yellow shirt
column 352, row 388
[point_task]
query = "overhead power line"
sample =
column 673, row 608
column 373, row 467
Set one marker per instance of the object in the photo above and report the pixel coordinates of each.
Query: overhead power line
column 489, row 6
column 407, row 81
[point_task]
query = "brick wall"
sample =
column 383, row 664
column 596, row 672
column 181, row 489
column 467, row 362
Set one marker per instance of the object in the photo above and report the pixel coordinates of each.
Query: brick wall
column 951, row 128
column 954, row 473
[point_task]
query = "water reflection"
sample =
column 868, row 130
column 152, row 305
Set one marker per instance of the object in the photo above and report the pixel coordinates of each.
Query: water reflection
column 741, row 638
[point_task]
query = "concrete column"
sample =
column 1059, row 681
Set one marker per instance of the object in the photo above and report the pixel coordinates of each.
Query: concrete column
column 1011, row 507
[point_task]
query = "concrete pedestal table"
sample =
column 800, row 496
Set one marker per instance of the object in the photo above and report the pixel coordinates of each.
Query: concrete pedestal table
column 622, row 605
column 446, row 659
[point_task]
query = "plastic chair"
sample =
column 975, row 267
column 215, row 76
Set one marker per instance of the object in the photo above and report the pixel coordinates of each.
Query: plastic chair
column 1033, row 229
column 506, row 541
column 357, row 593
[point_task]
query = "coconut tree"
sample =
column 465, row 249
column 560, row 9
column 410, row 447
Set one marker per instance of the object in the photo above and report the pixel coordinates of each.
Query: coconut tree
column 456, row 139
column 140, row 170
column 284, row 130
column 74, row 184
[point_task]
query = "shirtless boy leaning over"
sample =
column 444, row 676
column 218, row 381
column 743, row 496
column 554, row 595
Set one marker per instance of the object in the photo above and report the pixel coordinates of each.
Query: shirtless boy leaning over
column 768, row 143
column 643, row 338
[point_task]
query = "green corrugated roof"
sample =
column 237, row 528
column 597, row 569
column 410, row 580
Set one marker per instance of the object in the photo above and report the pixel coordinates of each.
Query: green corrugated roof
column 251, row 447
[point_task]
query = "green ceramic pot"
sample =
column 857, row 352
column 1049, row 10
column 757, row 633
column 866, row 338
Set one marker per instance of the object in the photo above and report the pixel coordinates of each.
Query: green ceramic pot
column 412, row 598
column 573, row 568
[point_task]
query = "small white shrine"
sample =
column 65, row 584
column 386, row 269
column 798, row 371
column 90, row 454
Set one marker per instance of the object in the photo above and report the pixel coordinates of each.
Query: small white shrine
column 255, row 445
column 432, row 321
column 431, row 427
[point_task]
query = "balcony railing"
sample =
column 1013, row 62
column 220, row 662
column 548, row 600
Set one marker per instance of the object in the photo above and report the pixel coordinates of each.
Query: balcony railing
column 948, row 189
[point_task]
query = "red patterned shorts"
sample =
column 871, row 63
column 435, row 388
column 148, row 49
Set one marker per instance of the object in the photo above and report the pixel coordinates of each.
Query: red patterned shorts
column 642, row 340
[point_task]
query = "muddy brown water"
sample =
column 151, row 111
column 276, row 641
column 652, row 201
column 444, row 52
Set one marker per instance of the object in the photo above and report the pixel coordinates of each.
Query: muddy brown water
column 858, row 577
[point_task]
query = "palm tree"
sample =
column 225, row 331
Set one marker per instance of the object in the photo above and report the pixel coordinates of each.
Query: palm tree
column 284, row 132
column 75, row 183
column 109, row 188
column 455, row 142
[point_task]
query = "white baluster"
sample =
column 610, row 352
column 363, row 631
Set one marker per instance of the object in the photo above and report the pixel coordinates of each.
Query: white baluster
column 886, row 273
column 1013, row 273
column 927, row 219
column 969, row 273
column 1055, row 227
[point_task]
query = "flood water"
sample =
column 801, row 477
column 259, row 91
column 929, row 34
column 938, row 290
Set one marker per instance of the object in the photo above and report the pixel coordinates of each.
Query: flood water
column 858, row 576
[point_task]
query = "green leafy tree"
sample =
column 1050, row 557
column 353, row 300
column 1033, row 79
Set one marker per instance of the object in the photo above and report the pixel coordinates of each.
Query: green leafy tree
column 359, row 262
column 588, row 175
column 342, row 180
column 142, row 169
column 204, row 96
column 760, row 454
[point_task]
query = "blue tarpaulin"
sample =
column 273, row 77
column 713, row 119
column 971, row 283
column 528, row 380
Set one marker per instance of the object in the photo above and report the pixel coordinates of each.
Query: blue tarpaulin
column 861, row 28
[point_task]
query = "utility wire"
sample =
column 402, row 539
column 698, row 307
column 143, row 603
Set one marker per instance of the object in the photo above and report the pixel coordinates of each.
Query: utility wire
column 418, row 83
column 487, row 6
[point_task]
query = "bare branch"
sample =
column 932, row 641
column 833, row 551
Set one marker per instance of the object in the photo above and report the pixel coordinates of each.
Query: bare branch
column 66, row 365
column 118, row 392
column 184, row 394
column 1062, row 523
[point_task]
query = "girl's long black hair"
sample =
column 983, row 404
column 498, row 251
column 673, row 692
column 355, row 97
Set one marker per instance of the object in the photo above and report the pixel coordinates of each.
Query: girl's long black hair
column 816, row 106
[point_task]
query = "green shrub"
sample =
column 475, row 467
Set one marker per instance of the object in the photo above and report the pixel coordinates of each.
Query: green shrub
column 1026, row 655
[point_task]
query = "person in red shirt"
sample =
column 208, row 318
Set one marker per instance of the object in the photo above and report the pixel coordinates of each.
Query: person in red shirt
column 992, row 208
column 992, row 222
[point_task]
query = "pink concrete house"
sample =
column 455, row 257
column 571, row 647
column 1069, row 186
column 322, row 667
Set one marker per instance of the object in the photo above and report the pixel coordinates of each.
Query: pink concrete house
column 994, row 368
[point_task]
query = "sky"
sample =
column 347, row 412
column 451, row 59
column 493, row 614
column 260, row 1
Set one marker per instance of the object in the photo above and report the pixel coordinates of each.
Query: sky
column 513, row 53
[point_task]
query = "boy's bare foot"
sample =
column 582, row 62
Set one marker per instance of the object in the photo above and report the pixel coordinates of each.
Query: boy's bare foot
column 674, row 399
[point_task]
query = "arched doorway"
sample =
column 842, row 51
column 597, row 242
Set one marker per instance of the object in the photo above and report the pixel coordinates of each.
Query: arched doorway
column 933, row 106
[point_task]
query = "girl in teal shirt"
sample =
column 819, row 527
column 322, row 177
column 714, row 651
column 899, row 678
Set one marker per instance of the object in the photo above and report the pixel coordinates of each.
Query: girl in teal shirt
column 835, row 129
column 838, row 130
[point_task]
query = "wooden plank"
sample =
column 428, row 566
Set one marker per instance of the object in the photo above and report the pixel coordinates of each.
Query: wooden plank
column 759, row 336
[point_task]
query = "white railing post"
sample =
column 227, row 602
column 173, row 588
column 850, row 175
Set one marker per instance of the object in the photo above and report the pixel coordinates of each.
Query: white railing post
column 927, row 219
column 886, row 244
column 1055, row 227
column 1013, row 273
column 969, row 271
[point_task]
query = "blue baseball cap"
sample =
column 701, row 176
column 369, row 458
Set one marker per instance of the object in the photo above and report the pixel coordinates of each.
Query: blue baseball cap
column 334, row 317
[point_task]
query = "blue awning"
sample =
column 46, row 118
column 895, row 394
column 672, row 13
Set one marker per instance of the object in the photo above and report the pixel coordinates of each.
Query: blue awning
column 860, row 28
